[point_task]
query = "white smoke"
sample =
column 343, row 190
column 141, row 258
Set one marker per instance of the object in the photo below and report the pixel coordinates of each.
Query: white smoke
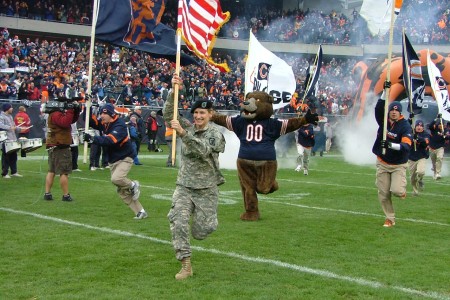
column 227, row 160
column 356, row 138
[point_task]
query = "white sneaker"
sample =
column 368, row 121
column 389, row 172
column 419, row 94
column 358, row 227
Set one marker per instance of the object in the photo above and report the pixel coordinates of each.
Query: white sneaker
column 16, row 175
column 298, row 169
column 93, row 168
column 6, row 176
column 141, row 215
column 136, row 190
column 76, row 170
column 438, row 176
column 305, row 172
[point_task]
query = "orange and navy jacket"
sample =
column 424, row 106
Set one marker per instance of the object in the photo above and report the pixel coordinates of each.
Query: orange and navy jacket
column 421, row 148
column 437, row 135
column 115, row 138
column 399, row 132
column 305, row 136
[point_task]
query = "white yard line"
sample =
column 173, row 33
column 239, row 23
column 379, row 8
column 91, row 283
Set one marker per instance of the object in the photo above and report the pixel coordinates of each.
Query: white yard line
column 265, row 198
column 277, row 263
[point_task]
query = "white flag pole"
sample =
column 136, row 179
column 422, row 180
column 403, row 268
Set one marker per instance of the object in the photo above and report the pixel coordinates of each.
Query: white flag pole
column 89, row 86
column 388, row 72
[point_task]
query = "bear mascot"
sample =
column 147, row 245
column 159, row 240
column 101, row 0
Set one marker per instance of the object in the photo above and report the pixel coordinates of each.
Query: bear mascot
column 257, row 132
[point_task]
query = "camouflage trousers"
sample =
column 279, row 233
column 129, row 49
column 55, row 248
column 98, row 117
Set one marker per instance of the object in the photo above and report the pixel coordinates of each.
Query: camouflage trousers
column 201, row 204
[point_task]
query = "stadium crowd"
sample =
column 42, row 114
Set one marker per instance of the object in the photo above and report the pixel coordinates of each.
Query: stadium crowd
column 425, row 21
column 41, row 69
column 38, row 70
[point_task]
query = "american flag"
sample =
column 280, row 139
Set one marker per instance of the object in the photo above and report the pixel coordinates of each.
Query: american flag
column 199, row 21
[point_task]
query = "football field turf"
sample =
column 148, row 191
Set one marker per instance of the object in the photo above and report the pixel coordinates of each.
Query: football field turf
column 320, row 237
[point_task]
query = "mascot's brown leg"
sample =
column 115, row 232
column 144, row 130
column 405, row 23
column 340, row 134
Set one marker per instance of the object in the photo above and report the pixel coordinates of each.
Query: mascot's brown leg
column 247, row 172
column 267, row 172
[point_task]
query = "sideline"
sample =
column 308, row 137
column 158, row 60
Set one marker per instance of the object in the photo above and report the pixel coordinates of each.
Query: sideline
column 277, row 263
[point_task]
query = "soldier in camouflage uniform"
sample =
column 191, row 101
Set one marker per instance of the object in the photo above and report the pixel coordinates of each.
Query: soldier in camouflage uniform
column 196, row 193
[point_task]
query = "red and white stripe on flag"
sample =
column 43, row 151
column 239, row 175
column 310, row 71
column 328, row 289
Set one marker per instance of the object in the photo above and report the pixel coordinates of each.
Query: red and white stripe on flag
column 199, row 22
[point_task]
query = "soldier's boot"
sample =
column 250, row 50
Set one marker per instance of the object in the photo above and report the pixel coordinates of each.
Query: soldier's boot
column 186, row 269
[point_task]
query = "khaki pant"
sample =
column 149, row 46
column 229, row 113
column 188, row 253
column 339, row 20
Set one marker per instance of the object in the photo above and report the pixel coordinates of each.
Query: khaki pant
column 119, row 173
column 390, row 180
column 437, row 155
column 303, row 156
column 417, row 171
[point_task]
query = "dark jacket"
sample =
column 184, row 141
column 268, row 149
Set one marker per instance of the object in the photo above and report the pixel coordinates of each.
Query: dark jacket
column 115, row 138
column 419, row 148
column 437, row 137
column 305, row 136
column 399, row 132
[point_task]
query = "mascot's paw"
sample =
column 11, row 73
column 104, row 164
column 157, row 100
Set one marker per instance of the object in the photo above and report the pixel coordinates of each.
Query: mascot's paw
column 250, row 216
column 311, row 118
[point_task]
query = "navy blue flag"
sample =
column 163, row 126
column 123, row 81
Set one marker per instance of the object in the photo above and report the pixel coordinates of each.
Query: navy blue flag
column 135, row 24
column 312, row 75
column 412, row 77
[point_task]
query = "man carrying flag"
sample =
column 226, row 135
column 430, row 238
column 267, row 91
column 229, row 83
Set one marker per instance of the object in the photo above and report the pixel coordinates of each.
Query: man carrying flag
column 392, row 155
column 437, row 143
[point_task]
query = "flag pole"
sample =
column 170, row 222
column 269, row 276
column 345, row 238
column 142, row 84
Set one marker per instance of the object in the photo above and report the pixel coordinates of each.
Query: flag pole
column 388, row 72
column 89, row 86
column 434, row 92
column 409, row 86
column 310, row 77
column 175, row 97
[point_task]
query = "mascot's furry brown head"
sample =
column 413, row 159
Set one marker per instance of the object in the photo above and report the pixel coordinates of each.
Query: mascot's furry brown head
column 257, row 106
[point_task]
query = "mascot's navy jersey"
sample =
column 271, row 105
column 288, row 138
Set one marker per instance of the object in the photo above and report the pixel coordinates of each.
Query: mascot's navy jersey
column 257, row 137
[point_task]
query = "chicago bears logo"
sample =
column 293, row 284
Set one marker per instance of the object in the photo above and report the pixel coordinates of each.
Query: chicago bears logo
column 146, row 15
column 261, row 80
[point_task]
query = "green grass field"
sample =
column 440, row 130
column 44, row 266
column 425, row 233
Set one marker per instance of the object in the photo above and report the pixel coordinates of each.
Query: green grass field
column 320, row 237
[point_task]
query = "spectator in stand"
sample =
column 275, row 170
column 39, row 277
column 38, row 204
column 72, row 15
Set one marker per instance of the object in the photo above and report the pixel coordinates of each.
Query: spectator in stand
column 33, row 92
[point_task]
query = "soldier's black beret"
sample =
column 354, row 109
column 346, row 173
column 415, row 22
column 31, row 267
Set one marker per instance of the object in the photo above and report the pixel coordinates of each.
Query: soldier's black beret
column 201, row 104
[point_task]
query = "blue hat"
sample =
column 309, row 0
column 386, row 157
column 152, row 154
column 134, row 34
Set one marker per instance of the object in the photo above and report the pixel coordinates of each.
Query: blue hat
column 419, row 122
column 6, row 106
column 395, row 105
column 201, row 104
column 108, row 109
